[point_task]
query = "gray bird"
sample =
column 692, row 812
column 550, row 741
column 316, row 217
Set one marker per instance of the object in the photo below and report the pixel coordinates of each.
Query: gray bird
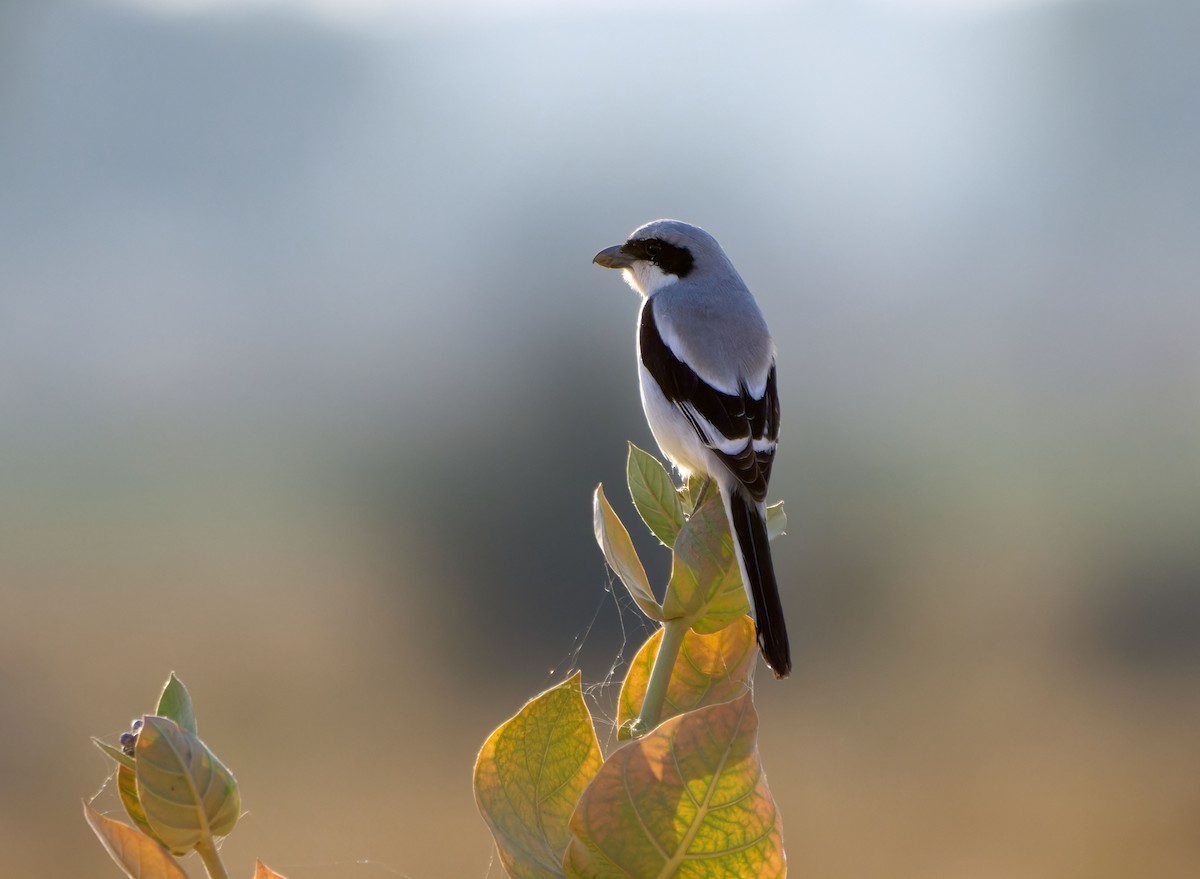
column 707, row 368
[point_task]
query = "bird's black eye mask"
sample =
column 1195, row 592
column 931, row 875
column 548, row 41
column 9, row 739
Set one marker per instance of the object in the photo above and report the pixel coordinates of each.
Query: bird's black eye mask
column 671, row 258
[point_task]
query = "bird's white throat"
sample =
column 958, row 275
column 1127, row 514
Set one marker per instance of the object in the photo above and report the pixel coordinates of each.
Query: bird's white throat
column 647, row 278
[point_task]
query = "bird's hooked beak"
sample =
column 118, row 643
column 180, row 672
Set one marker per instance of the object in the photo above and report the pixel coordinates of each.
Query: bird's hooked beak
column 615, row 257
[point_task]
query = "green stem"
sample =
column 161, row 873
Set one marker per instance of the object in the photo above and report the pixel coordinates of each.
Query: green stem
column 210, row 857
column 660, row 675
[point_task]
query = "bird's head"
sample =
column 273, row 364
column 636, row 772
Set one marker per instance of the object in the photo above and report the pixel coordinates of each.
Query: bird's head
column 661, row 253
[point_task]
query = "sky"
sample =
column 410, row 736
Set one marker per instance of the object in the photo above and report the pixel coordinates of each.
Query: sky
column 372, row 13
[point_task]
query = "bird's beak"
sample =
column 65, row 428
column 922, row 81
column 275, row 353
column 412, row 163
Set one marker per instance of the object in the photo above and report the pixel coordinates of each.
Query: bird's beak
column 615, row 257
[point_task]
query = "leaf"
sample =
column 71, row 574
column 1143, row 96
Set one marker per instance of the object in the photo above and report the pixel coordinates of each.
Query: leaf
column 127, row 789
column 262, row 871
column 700, row 565
column 654, row 494
column 690, row 491
column 728, row 602
column 187, row 794
column 710, row 669
column 138, row 855
column 688, row 799
column 776, row 520
column 622, row 558
column 176, row 703
column 529, row 775
column 115, row 753
column 710, row 600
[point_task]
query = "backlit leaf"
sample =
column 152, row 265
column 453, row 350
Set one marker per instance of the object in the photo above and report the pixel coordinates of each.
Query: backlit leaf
column 654, row 494
column 711, row 601
column 710, row 669
column 176, row 703
column 135, row 853
column 776, row 520
column 727, row 604
column 691, row 489
column 622, row 558
column 262, row 871
column 185, row 791
column 702, row 555
column 689, row 799
column 115, row 753
column 529, row 775
column 127, row 790
column 729, row 601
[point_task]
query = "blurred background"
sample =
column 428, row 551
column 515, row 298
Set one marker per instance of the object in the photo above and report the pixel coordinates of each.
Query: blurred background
column 306, row 381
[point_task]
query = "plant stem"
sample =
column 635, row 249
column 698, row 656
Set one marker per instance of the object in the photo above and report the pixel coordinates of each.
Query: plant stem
column 660, row 675
column 210, row 857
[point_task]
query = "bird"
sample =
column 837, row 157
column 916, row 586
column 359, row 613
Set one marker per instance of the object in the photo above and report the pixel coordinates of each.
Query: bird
column 706, row 366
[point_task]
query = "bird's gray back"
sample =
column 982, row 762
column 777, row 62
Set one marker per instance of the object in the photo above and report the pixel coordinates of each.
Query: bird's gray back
column 714, row 324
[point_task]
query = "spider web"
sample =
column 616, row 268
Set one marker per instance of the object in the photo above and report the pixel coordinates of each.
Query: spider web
column 601, row 695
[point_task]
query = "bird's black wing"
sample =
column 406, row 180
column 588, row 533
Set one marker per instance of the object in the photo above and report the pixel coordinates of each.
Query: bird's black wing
column 734, row 416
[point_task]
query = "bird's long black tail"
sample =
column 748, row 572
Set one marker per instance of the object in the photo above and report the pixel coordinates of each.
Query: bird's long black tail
column 750, row 532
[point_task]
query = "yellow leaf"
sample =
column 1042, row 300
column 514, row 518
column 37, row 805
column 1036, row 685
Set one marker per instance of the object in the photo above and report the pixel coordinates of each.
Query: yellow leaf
column 529, row 775
column 135, row 853
column 710, row 669
column 127, row 789
column 262, row 871
column 622, row 558
column 689, row 799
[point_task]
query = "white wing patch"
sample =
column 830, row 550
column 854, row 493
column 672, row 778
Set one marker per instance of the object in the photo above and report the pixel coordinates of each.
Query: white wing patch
column 711, row 436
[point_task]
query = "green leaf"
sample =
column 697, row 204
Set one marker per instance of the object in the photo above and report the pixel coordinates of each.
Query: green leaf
column 706, row 583
column 115, row 753
column 729, row 601
column 135, row 853
column 690, row 492
column 187, row 794
column 710, row 669
column 688, row 799
column 622, row 558
column 700, row 566
column 176, row 703
column 654, row 494
column 529, row 775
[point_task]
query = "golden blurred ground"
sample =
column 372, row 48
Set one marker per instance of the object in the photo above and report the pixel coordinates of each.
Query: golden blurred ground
column 960, row 741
